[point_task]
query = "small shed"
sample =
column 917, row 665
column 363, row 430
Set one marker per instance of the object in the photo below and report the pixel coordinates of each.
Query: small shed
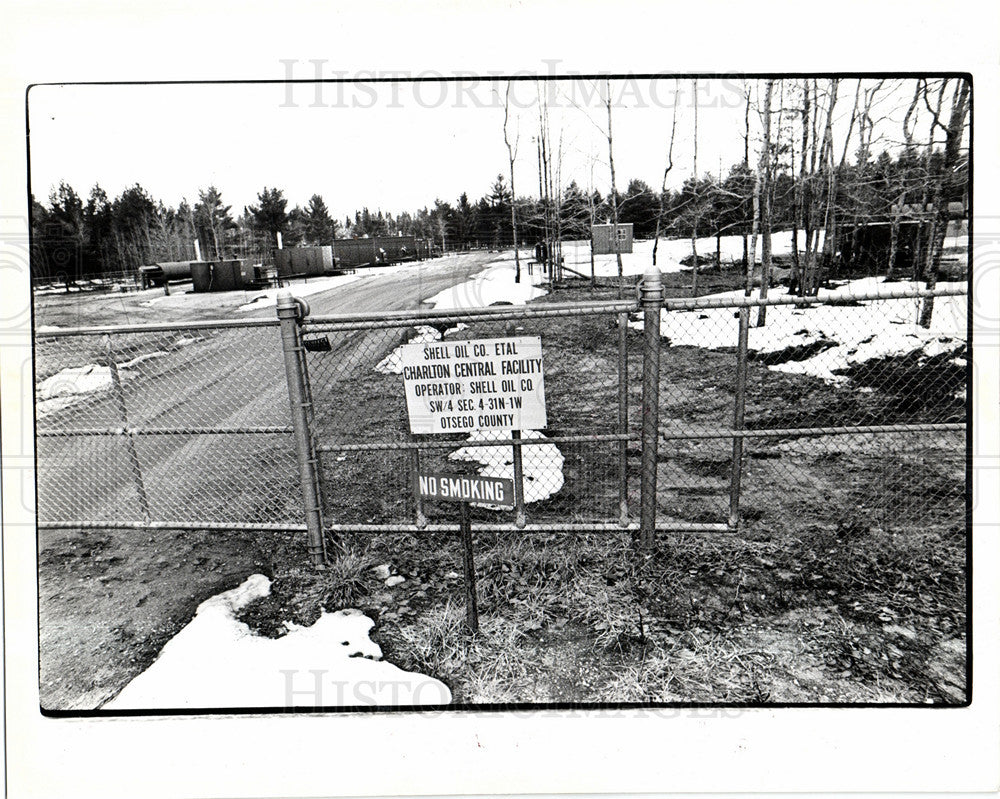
column 602, row 238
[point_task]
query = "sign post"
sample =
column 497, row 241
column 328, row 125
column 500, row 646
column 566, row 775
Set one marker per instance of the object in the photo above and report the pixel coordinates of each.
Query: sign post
column 520, row 518
column 475, row 385
column 497, row 491
column 471, row 601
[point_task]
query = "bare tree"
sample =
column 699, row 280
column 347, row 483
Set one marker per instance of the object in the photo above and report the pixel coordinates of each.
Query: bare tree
column 592, row 216
column 944, row 185
column 798, row 186
column 614, row 194
column 511, row 157
column 666, row 172
column 544, row 178
column 820, row 163
column 747, row 261
column 897, row 207
column 556, row 191
column 765, row 170
column 829, row 165
column 694, row 192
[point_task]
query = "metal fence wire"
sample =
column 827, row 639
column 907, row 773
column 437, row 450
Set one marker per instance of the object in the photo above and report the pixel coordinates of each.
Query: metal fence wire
column 180, row 425
column 698, row 414
column 571, row 471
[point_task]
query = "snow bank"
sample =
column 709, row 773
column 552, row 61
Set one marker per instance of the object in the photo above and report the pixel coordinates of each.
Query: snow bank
column 493, row 286
column 217, row 662
column 70, row 385
column 392, row 363
column 542, row 463
column 844, row 335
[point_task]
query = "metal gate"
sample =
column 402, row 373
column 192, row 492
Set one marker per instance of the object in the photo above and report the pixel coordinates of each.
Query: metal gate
column 299, row 423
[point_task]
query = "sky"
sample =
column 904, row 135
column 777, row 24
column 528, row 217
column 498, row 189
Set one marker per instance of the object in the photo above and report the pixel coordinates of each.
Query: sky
column 390, row 146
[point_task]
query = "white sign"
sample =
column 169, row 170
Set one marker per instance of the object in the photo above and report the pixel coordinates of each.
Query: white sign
column 481, row 384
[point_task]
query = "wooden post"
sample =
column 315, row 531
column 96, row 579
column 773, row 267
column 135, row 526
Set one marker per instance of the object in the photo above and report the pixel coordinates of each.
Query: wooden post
column 471, row 603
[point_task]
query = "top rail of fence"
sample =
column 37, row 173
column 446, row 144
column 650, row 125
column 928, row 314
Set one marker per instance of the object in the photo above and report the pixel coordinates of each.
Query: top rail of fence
column 165, row 327
column 737, row 301
column 492, row 312
column 332, row 322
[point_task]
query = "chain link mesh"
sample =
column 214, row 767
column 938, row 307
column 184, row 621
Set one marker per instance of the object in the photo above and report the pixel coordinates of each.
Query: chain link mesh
column 193, row 425
column 844, row 362
column 164, row 426
column 358, row 398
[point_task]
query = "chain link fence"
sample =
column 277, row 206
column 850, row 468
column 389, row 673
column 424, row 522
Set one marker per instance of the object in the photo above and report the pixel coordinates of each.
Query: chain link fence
column 853, row 415
column 177, row 425
column 836, row 411
column 571, row 472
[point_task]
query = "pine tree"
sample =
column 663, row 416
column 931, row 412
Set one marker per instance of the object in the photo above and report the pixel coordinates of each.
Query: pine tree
column 318, row 227
column 213, row 220
column 269, row 216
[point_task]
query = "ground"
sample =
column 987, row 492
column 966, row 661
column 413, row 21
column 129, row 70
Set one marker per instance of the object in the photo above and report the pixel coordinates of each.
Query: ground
column 89, row 577
column 846, row 583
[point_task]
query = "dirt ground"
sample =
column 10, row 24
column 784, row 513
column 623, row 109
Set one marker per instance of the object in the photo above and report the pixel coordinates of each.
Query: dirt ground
column 109, row 600
column 845, row 583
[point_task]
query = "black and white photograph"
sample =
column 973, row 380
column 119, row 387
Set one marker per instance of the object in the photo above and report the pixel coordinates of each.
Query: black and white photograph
column 597, row 390
column 513, row 399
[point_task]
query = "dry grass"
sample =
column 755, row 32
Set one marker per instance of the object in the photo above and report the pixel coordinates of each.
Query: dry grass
column 845, row 584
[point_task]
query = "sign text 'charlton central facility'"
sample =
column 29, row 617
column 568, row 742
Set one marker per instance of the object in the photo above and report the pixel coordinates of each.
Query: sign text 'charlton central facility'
column 480, row 384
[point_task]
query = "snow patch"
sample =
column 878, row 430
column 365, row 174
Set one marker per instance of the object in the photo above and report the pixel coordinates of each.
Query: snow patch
column 217, row 662
column 543, row 463
column 73, row 383
column 860, row 332
column 493, row 286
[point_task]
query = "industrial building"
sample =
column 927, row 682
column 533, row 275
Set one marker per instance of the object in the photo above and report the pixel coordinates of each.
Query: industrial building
column 348, row 254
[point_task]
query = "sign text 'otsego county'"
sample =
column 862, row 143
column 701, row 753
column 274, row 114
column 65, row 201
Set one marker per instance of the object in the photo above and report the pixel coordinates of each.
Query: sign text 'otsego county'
column 480, row 384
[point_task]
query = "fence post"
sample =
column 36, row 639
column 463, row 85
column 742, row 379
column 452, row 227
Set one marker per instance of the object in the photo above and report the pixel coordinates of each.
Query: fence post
column 291, row 345
column 623, row 418
column 736, row 477
column 311, row 423
column 652, row 301
column 520, row 517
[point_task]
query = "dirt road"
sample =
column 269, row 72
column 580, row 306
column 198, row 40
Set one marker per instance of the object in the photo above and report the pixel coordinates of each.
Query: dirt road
column 108, row 600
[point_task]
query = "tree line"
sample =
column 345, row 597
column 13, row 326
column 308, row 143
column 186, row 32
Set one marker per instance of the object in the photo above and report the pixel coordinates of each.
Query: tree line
column 803, row 179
